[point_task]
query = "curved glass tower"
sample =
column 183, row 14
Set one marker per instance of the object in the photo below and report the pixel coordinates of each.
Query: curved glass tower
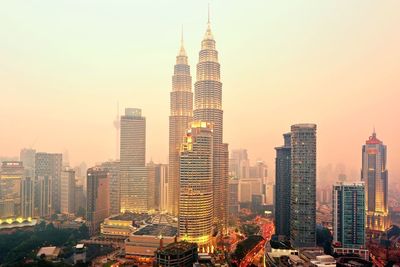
column 208, row 107
column 181, row 106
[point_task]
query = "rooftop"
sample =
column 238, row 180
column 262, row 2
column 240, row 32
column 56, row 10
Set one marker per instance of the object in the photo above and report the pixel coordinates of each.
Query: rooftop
column 130, row 217
column 49, row 251
column 157, row 230
column 177, row 248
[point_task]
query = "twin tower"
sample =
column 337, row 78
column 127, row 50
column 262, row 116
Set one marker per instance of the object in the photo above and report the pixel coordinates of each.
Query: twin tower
column 198, row 158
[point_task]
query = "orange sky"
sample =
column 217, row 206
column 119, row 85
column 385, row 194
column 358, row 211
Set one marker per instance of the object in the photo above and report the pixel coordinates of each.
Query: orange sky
column 65, row 64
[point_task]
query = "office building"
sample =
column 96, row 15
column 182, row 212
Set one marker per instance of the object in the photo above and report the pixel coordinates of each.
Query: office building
column 177, row 254
column 43, row 196
column 208, row 108
column 27, row 197
column 303, row 185
column 12, row 173
column 349, row 214
column 50, row 166
column 98, row 192
column 233, row 197
column 27, row 156
column 133, row 171
column 68, row 191
column 375, row 176
column 239, row 164
column 196, row 184
column 113, row 167
column 181, row 113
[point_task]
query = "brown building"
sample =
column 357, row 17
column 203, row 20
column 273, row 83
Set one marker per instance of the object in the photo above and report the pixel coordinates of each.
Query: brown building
column 98, row 204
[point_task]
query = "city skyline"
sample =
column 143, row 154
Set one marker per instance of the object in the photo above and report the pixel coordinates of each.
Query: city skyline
column 358, row 73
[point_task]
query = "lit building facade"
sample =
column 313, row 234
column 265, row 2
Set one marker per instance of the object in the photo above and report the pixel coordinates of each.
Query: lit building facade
column 208, row 107
column 68, row 191
column 161, row 190
column 196, row 184
column 349, row 214
column 11, row 176
column 181, row 106
column 98, row 192
column 133, row 171
column 375, row 176
column 283, row 184
column 303, row 185
column 50, row 165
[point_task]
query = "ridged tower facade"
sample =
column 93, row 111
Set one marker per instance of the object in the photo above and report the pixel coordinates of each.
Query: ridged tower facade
column 181, row 106
column 208, row 107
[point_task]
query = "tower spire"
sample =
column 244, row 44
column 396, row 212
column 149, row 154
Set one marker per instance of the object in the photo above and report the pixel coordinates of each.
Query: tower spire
column 182, row 51
column 208, row 34
column 208, row 21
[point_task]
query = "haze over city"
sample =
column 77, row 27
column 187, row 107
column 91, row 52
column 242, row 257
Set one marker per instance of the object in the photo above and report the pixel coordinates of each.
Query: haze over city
column 65, row 65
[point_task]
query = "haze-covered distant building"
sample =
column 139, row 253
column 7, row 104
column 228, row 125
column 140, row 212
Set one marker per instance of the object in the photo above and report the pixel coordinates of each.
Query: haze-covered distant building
column 68, row 191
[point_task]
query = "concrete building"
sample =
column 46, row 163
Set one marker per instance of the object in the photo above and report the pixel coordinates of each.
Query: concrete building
column 50, row 165
column 239, row 164
column 375, row 176
column 43, row 196
column 283, row 185
column 177, row 254
column 208, row 108
column 27, row 156
column 113, row 167
column 133, row 171
column 249, row 187
column 68, row 191
column 151, row 186
column 233, row 197
column 27, row 197
column 181, row 114
column 349, row 214
column 196, row 184
column 11, row 175
column 98, row 203
column 303, row 185
column 161, row 190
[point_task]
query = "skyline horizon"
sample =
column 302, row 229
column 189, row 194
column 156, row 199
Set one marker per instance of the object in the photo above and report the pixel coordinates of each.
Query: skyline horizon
column 377, row 72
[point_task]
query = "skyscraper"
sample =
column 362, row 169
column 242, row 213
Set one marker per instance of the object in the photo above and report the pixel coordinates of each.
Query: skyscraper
column 11, row 175
column 349, row 214
column 208, row 107
column 98, row 204
column 196, row 184
column 133, row 171
column 27, row 156
column 113, row 168
column 375, row 176
column 162, row 177
column 239, row 164
column 303, row 185
column 68, row 191
column 27, row 197
column 181, row 105
column 50, row 165
column 283, row 185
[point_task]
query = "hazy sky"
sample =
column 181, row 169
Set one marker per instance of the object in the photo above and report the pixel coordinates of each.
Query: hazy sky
column 65, row 64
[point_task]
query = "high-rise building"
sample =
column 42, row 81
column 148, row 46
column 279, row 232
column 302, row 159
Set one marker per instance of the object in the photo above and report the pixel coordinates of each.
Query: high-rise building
column 239, row 164
column 181, row 108
column 80, row 200
column 375, row 176
column 27, row 156
column 68, row 186
column 208, row 107
column 349, row 214
column 282, row 186
column 12, row 173
column 162, row 177
column 233, row 197
column 98, row 192
column 151, row 186
column 43, row 196
column 50, row 165
column 303, row 185
column 133, row 171
column 27, row 197
column 113, row 168
column 196, row 184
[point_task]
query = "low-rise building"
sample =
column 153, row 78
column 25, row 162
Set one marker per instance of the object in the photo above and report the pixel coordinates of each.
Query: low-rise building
column 123, row 225
column 48, row 253
column 177, row 254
